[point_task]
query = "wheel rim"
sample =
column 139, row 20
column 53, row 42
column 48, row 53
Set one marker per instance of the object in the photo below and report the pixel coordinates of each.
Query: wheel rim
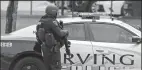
column 78, row 3
column 29, row 66
column 94, row 7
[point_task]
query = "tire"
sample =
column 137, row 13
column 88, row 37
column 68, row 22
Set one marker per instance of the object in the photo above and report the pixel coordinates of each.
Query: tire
column 122, row 11
column 27, row 61
column 91, row 7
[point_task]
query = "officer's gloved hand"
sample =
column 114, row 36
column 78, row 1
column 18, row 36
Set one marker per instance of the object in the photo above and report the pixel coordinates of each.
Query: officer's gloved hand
column 65, row 32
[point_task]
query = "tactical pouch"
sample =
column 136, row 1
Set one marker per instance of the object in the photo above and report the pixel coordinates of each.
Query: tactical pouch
column 50, row 40
column 56, row 48
column 41, row 34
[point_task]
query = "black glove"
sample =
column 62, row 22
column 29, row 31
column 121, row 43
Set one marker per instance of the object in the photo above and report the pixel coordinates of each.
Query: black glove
column 66, row 33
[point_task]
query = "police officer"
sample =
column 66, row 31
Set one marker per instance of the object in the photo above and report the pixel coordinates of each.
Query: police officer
column 51, row 35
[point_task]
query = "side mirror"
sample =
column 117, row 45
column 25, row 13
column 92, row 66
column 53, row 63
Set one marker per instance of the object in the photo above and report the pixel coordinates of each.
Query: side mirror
column 136, row 39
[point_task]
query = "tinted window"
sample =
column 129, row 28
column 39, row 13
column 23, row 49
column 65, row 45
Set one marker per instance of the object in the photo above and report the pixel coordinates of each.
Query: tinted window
column 76, row 31
column 110, row 33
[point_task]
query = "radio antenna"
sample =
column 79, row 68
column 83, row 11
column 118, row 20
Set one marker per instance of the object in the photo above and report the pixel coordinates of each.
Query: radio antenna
column 111, row 10
column 72, row 7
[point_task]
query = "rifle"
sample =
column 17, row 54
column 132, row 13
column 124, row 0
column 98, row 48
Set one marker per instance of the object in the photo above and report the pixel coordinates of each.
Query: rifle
column 66, row 42
column 67, row 45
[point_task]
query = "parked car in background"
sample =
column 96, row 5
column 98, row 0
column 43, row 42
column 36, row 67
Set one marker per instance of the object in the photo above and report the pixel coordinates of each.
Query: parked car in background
column 98, row 6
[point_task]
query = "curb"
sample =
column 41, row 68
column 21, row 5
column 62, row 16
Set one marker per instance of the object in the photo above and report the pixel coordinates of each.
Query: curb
column 131, row 17
column 35, row 16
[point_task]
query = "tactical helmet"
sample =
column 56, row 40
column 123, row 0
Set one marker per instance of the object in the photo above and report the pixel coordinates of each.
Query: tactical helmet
column 51, row 10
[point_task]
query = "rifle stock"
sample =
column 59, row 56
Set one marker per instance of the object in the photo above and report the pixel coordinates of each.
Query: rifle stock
column 66, row 42
column 67, row 45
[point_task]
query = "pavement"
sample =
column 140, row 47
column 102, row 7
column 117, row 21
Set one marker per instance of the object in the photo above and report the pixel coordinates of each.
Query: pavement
column 36, row 14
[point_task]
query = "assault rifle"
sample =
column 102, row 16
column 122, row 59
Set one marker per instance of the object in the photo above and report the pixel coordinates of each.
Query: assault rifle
column 66, row 42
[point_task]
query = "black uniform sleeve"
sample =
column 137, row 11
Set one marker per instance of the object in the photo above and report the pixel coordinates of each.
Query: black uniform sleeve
column 38, row 40
column 55, row 28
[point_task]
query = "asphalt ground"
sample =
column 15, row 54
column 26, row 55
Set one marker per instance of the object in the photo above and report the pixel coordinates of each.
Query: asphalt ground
column 24, row 21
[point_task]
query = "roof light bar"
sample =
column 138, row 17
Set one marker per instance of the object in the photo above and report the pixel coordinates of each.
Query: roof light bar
column 92, row 14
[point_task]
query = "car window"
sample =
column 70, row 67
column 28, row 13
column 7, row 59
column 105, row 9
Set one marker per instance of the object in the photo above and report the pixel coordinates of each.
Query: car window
column 110, row 33
column 76, row 31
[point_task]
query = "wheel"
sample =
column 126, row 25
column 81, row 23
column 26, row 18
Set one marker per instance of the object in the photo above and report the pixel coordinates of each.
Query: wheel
column 123, row 12
column 94, row 7
column 29, row 63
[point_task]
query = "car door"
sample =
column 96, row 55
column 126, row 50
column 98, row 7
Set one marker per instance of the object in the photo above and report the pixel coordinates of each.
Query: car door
column 81, row 47
column 114, row 47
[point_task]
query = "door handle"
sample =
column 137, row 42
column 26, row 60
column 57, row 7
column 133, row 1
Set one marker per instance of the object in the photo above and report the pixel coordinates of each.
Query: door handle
column 100, row 51
column 103, row 51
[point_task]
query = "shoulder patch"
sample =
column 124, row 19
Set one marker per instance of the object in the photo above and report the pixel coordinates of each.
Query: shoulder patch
column 56, row 23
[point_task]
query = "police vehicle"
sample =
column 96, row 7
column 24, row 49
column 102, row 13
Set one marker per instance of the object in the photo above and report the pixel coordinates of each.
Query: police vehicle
column 97, row 43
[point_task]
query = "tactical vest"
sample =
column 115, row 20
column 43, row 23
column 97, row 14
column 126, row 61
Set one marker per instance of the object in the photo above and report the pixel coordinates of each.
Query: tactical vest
column 41, row 34
column 46, row 37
